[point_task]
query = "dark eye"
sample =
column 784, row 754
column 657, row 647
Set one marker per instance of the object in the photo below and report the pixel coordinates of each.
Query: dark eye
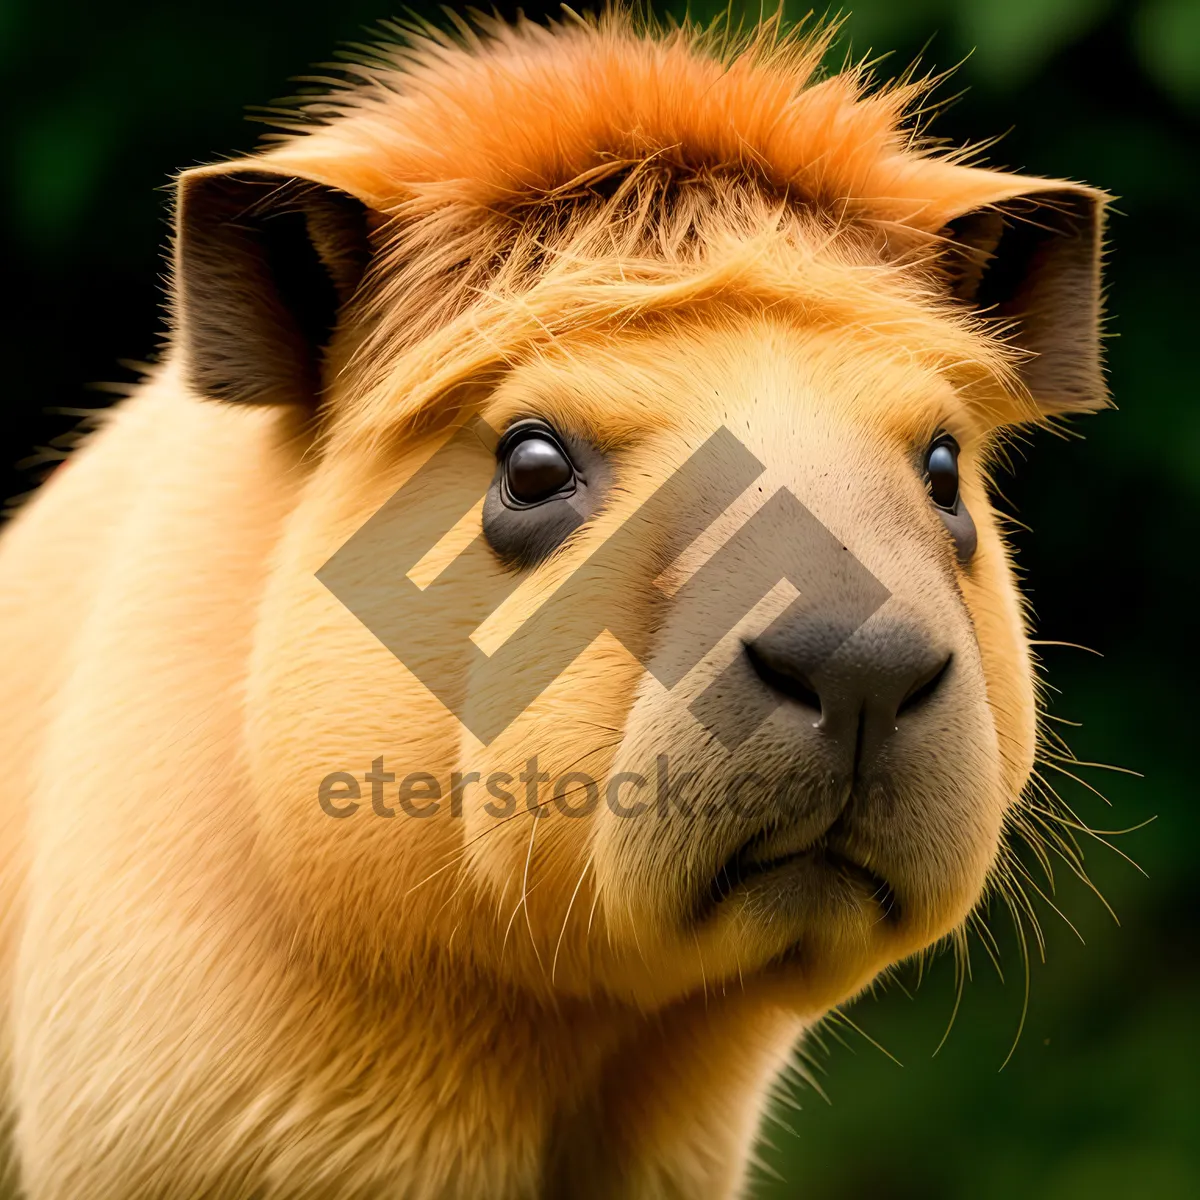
column 941, row 468
column 546, row 485
column 941, row 471
column 535, row 469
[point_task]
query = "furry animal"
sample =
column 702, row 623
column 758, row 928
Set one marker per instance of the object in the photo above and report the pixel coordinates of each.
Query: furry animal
column 227, row 970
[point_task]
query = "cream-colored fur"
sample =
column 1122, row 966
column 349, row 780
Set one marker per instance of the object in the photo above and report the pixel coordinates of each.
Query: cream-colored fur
column 209, row 986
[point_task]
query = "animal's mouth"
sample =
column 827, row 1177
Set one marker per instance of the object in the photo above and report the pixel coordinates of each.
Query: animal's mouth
column 757, row 859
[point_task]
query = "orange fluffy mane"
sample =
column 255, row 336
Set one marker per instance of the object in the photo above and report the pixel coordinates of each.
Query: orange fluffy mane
column 530, row 180
column 505, row 112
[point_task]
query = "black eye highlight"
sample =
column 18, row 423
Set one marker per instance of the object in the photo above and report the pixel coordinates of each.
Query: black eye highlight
column 534, row 466
column 941, row 469
column 941, row 474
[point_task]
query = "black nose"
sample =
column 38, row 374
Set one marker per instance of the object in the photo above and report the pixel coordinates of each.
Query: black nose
column 863, row 685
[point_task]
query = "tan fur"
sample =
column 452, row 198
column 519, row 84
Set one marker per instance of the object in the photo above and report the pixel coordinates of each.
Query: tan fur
column 209, row 986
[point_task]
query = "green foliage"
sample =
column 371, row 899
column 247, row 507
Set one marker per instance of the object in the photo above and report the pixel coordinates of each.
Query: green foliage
column 1168, row 38
column 1098, row 1099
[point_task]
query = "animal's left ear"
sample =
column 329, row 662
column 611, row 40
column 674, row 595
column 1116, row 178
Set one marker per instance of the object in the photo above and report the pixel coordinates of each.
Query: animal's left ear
column 265, row 263
column 1031, row 258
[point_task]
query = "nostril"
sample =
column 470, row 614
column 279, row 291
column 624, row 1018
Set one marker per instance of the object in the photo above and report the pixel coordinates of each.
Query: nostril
column 924, row 688
column 783, row 677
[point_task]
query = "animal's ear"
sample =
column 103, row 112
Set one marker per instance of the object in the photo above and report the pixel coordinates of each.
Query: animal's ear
column 264, row 265
column 1032, row 260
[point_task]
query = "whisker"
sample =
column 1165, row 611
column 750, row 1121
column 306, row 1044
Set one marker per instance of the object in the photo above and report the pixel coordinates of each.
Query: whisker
column 1068, row 645
column 1020, row 930
column 960, row 980
column 460, row 852
column 524, row 901
column 837, row 1014
column 571, row 904
column 1079, row 762
column 1082, row 782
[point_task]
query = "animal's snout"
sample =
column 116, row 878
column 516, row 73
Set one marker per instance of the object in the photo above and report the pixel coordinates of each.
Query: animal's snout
column 862, row 687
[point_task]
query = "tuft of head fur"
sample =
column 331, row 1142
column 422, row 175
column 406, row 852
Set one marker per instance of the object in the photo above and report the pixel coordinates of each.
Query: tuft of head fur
column 528, row 181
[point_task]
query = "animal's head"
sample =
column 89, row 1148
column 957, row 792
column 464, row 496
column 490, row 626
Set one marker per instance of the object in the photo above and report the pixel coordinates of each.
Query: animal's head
column 700, row 365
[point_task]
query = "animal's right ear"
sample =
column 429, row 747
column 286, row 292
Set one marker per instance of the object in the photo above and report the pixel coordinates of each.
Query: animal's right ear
column 265, row 264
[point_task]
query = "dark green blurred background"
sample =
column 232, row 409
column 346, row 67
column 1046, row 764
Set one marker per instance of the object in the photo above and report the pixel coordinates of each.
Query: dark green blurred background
column 104, row 102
